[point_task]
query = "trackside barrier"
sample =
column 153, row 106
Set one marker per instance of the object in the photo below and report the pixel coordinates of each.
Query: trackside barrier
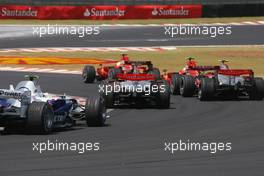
column 100, row 12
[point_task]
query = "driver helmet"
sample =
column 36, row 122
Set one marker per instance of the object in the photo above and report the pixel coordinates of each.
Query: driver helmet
column 191, row 62
column 124, row 57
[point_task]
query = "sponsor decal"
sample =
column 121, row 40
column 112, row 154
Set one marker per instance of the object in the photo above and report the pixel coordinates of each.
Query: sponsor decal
column 10, row 93
column 100, row 13
column 5, row 12
column 170, row 12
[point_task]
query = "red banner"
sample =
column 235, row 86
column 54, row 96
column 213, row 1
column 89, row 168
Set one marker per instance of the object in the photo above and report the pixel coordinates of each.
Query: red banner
column 100, row 12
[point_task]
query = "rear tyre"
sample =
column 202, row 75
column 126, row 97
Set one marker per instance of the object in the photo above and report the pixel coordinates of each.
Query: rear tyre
column 88, row 74
column 112, row 73
column 163, row 100
column 108, row 96
column 156, row 72
column 40, row 118
column 187, row 87
column 175, row 84
column 95, row 111
column 257, row 92
column 207, row 89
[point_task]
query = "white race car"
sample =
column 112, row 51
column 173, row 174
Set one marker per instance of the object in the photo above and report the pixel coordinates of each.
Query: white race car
column 27, row 106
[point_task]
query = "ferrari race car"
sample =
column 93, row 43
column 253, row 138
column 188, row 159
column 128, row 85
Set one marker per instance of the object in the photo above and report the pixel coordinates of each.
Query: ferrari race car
column 179, row 81
column 141, row 86
column 210, row 81
column 90, row 74
column 28, row 107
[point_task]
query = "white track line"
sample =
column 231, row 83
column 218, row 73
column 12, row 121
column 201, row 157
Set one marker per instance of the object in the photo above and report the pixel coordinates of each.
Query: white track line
column 86, row 49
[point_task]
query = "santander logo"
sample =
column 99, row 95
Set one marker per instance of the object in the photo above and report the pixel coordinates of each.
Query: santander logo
column 5, row 12
column 87, row 13
column 99, row 12
column 155, row 12
column 170, row 11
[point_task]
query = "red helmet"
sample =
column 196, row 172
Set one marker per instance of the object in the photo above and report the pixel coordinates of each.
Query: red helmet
column 125, row 57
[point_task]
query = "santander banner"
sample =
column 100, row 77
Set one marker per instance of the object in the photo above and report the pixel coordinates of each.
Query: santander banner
column 100, row 12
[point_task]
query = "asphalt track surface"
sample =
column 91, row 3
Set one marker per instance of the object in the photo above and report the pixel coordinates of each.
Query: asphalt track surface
column 118, row 36
column 133, row 141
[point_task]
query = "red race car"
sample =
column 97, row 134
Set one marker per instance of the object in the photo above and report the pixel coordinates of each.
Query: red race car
column 210, row 81
column 141, row 87
column 183, row 82
column 90, row 74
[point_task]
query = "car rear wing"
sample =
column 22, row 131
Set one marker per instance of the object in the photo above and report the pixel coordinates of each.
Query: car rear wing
column 139, row 62
column 205, row 68
column 236, row 72
column 136, row 77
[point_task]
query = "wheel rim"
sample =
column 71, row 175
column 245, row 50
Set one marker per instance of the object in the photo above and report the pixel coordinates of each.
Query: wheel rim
column 48, row 119
column 103, row 114
column 181, row 88
column 103, row 111
column 199, row 93
column 172, row 88
column 84, row 75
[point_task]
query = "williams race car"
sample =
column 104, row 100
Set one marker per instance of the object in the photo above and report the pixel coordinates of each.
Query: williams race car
column 140, row 86
column 28, row 107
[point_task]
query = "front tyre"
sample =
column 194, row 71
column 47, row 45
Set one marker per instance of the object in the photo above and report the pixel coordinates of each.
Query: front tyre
column 175, row 84
column 40, row 118
column 88, row 74
column 156, row 72
column 187, row 88
column 95, row 111
column 112, row 73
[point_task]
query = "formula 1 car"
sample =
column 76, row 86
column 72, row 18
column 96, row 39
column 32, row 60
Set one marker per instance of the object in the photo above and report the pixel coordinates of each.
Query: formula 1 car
column 90, row 74
column 210, row 81
column 183, row 82
column 28, row 107
column 235, row 82
column 139, row 87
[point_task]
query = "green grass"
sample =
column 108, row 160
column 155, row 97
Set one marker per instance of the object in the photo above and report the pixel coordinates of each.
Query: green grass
column 148, row 21
column 251, row 57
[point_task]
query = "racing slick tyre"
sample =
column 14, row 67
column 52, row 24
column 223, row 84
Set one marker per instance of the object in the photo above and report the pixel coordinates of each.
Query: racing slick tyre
column 113, row 72
column 108, row 96
column 88, row 74
column 175, row 84
column 257, row 92
column 95, row 111
column 163, row 100
column 187, row 87
column 40, row 118
column 156, row 72
column 207, row 89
